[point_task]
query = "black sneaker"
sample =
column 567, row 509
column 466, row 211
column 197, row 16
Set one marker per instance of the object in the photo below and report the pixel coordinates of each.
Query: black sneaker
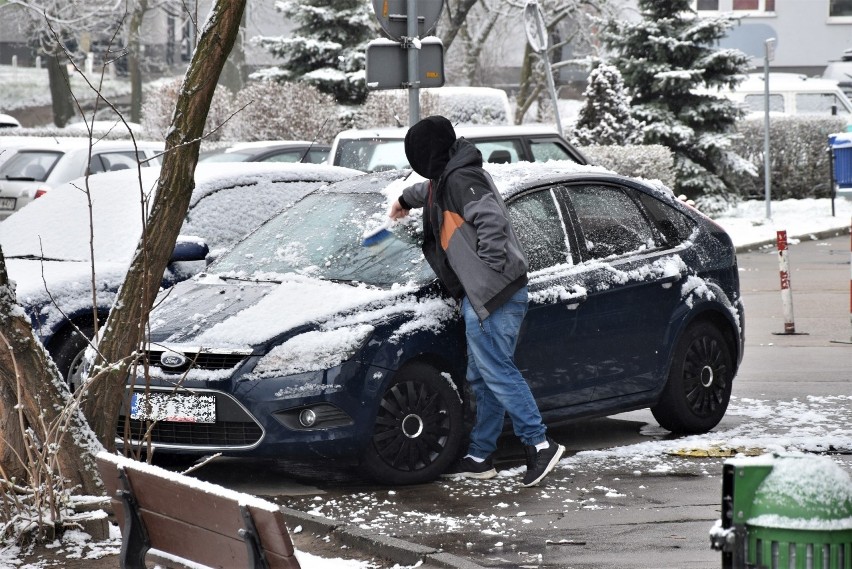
column 468, row 468
column 540, row 462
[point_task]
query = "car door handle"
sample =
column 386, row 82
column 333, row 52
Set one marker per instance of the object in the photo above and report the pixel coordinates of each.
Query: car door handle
column 574, row 302
column 669, row 280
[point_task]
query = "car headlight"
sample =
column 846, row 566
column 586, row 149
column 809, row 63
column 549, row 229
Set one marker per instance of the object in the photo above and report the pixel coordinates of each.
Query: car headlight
column 313, row 351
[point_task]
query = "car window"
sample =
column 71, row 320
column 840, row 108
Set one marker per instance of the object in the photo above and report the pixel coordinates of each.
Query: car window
column 370, row 155
column 544, row 150
column 675, row 227
column 32, row 165
column 539, row 226
column 222, row 217
column 820, row 103
column 610, row 221
column 754, row 103
column 111, row 161
column 499, row 151
column 289, row 156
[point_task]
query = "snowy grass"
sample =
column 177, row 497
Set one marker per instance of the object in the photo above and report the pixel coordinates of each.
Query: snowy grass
column 25, row 87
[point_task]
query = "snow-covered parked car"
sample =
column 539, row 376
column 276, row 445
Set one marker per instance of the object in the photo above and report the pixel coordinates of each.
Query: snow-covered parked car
column 39, row 164
column 302, row 341
column 303, row 151
column 47, row 244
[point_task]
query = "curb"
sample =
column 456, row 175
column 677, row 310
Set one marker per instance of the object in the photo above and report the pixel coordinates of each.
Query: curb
column 813, row 236
column 397, row 550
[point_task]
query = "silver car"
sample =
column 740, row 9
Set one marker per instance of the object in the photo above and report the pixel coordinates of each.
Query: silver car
column 39, row 164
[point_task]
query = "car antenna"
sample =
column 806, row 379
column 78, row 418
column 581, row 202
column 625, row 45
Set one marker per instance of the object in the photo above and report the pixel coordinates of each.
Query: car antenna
column 311, row 145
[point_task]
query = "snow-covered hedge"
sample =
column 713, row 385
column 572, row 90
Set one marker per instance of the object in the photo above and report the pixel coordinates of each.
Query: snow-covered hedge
column 264, row 111
column 651, row 161
column 798, row 156
column 461, row 105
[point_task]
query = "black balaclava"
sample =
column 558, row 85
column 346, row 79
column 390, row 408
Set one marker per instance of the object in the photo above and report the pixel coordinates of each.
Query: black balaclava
column 427, row 146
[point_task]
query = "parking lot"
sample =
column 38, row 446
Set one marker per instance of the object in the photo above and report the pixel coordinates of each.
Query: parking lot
column 627, row 495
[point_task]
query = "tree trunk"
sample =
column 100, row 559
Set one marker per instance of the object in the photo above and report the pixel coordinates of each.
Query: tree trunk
column 133, row 62
column 60, row 93
column 30, row 385
column 124, row 329
column 455, row 20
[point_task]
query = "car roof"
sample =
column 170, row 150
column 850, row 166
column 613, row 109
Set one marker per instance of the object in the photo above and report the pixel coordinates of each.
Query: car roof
column 69, row 143
column 269, row 144
column 462, row 131
column 510, row 179
column 787, row 82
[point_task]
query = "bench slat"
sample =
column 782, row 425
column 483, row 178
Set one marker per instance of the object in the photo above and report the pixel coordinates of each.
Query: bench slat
column 192, row 523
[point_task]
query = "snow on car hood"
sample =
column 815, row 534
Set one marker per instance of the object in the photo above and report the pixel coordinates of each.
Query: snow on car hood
column 213, row 312
column 49, row 283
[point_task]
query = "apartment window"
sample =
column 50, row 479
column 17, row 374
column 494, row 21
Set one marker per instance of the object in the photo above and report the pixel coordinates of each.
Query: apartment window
column 840, row 8
column 756, row 6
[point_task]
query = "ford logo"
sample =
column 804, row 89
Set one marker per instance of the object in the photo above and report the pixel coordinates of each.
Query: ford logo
column 172, row 359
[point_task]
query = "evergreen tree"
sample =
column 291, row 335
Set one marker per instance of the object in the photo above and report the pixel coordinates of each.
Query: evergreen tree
column 671, row 65
column 327, row 47
column 605, row 118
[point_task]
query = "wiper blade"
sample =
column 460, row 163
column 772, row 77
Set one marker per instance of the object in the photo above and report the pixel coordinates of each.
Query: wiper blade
column 248, row 280
column 20, row 178
column 40, row 258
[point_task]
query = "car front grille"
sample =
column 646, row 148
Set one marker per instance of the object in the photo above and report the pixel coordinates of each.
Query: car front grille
column 234, row 426
column 219, row 434
column 202, row 360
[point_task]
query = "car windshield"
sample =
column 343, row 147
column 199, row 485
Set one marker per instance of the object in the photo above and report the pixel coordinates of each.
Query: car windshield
column 322, row 236
column 372, row 154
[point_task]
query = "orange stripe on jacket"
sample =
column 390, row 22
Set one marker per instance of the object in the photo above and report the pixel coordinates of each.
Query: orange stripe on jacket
column 452, row 221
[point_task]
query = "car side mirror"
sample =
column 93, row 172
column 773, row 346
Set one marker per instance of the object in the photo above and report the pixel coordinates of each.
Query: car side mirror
column 189, row 248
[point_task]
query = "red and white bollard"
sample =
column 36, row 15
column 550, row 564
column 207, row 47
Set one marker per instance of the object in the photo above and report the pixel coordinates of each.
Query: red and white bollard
column 786, row 293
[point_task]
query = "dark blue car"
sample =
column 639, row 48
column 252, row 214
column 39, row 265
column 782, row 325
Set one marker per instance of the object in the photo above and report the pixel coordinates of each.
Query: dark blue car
column 301, row 341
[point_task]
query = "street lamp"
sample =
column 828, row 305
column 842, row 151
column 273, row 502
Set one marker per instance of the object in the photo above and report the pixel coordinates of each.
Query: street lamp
column 767, row 174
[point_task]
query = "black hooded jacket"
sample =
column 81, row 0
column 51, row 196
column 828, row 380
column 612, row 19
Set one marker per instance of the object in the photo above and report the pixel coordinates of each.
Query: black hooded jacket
column 469, row 241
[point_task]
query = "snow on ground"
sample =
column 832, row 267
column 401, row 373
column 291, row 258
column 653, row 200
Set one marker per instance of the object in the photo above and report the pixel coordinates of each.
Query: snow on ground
column 809, row 424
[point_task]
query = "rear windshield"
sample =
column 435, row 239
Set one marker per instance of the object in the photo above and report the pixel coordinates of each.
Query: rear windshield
column 29, row 165
column 372, row 155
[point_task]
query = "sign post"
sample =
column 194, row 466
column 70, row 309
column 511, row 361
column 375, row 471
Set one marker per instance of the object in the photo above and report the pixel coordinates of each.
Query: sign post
column 406, row 22
column 537, row 38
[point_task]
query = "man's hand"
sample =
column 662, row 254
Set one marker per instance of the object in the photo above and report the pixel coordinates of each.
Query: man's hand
column 396, row 211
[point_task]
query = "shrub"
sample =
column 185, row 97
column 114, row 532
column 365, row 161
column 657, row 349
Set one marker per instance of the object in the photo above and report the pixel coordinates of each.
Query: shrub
column 159, row 106
column 285, row 111
column 653, row 161
column 798, row 153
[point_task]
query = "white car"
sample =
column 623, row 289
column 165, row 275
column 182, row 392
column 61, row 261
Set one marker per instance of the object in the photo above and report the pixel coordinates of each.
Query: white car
column 376, row 150
column 36, row 165
column 47, row 244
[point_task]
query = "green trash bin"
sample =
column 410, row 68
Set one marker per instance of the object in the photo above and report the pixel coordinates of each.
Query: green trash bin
column 785, row 512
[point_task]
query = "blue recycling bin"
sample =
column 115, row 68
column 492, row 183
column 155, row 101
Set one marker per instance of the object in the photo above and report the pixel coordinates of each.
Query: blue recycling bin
column 841, row 149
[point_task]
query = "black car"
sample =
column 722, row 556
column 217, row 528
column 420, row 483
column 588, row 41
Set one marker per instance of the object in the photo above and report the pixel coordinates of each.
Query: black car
column 301, row 341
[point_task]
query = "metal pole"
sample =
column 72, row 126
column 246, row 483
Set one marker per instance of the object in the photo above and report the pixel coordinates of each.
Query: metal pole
column 552, row 87
column 413, row 59
column 767, row 172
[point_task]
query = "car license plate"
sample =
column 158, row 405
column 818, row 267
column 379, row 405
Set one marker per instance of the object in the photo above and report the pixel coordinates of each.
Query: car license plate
column 8, row 203
column 173, row 407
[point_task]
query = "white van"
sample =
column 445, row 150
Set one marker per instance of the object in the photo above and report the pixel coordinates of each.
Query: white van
column 792, row 94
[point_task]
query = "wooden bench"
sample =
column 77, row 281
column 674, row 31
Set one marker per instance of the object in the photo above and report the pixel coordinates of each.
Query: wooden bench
column 192, row 519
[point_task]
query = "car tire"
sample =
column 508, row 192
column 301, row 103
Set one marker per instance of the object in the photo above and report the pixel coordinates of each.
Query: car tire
column 698, row 389
column 418, row 428
column 67, row 350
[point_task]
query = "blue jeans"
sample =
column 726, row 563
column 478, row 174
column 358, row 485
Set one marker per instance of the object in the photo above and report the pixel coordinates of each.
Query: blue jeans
column 495, row 380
